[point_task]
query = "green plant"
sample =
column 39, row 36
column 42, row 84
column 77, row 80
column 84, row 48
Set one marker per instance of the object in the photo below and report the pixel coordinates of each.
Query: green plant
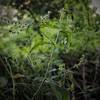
column 48, row 54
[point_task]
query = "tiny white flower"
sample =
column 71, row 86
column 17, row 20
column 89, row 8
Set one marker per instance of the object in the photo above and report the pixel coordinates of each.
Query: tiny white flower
column 94, row 15
column 91, row 6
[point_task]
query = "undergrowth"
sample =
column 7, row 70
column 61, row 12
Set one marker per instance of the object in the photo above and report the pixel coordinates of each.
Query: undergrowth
column 52, row 59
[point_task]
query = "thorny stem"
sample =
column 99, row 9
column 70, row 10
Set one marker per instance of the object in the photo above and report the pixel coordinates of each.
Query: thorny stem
column 84, row 76
column 11, row 74
column 46, row 70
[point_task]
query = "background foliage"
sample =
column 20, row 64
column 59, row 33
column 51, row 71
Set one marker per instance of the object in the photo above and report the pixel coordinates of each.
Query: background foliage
column 49, row 49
